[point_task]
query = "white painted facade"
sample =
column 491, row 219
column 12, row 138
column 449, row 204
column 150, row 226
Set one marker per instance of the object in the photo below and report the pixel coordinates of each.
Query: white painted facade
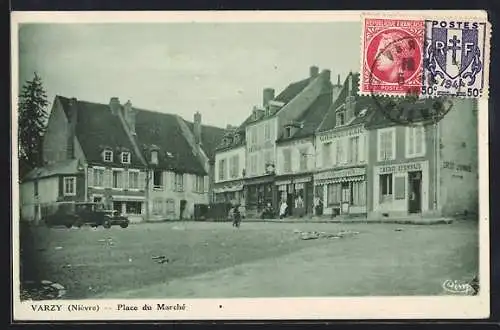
column 48, row 193
column 230, row 164
column 261, row 146
column 295, row 157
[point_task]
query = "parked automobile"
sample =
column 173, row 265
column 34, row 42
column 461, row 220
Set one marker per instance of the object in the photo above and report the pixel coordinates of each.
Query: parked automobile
column 95, row 215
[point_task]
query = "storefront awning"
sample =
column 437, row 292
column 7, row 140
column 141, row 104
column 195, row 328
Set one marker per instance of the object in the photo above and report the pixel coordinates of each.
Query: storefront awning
column 228, row 189
column 127, row 198
column 339, row 180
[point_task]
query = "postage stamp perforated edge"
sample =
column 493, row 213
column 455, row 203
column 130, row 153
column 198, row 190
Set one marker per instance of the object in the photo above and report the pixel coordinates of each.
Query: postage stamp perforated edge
column 480, row 16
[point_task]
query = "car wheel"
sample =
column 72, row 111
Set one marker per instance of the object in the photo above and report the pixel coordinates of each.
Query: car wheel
column 124, row 225
column 106, row 224
column 68, row 225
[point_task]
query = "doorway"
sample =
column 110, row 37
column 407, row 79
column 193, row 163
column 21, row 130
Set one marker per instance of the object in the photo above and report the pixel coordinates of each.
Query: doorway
column 415, row 192
column 182, row 208
column 346, row 197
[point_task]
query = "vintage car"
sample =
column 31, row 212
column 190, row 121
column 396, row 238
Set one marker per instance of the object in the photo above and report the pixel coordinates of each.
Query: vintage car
column 78, row 214
column 95, row 215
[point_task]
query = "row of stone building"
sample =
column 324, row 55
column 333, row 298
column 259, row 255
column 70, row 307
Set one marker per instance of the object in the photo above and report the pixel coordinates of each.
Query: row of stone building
column 317, row 143
column 145, row 164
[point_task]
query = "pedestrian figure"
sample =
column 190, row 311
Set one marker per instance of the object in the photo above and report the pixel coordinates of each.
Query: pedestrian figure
column 236, row 216
column 283, row 208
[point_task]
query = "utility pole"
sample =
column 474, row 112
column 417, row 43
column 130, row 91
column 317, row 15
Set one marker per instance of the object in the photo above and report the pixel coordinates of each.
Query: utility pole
column 146, row 202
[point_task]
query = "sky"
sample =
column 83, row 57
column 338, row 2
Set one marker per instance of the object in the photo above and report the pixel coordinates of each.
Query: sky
column 218, row 69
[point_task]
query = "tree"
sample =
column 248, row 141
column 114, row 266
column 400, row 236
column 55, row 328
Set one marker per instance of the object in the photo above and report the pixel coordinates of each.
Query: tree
column 33, row 116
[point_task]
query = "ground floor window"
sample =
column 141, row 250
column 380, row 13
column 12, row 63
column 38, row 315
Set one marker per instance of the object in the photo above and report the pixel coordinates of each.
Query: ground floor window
column 358, row 193
column 334, row 193
column 134, row 207
column 385, row 182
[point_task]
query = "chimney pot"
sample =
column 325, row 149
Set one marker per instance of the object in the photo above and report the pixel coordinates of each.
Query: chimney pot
column 267, row 95
column 114, row 105
column 197, row 127
column 313, row 71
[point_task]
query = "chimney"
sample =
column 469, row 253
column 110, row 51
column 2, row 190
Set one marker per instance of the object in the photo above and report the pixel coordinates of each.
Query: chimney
column 350, row 102
column 197, row 127
column 349, row 91
column 338, row 80
column 114, row 105
column 72, row 120
column 327, row 74
column 267, row 95
column 129, row 114
column 313, row 71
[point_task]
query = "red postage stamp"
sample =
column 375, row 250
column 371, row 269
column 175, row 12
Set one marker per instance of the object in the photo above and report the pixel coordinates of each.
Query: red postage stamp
column 392, row 56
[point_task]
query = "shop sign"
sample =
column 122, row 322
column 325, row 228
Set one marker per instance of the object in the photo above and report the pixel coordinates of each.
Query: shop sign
column 338, row 134
column 346, row 172
column 400, row 168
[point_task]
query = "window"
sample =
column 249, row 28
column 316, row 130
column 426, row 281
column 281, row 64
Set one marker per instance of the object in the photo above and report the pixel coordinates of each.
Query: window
column 340, row 118
column 303, row 160
column 253, row 164
column 235, row 166
column 108, row 156
column 386, row 144
column 158, row 206
column 340, row 152
column 327, row 157
column 288, row 132
column 200, row 184
column 222, row 169
column 415, row 141
column 154, row 157
column 157, row 180
column 334, row 193
column 287, row 161
column 70, row 186
column 133, row 180
column 267, row 132
column 268, row 157
column 126, row 157
column 133, row 207
column 117, row 179
column 179, row 182
column 353, row 149
column 253, row 135
column 358, row 193
column 385, row 186
column 98, row 177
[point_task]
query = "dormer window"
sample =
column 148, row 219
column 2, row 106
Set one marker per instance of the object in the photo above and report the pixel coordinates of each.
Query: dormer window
column 288, row 132
column 154, row 157
column 340, row 118
column 125, row 157
column 107, row 156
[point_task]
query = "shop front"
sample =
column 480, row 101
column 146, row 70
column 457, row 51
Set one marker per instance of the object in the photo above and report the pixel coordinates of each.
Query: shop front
column 259, row 193
column 342, row 191
column 401, row 189
column 297, row 192
column 229, row 192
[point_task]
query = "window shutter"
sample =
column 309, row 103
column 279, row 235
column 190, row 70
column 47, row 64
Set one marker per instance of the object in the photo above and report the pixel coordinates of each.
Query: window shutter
column 399, row 187
column 125, row 179
column 361, row 148
column 172, row 180
column 108, row 176
column 142, row 180
column 205, row 185
column 90, row 177
column 192, row 178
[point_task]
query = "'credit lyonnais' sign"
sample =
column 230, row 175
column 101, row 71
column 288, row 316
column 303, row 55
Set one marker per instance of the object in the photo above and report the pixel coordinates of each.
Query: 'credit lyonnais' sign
column 408, row 167
column 338, row 134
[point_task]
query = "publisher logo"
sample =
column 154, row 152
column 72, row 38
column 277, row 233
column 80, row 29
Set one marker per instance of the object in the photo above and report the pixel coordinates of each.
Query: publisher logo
column 459, row 287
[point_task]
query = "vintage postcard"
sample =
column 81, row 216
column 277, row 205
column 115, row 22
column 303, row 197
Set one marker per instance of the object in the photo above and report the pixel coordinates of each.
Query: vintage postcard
column 250, row 165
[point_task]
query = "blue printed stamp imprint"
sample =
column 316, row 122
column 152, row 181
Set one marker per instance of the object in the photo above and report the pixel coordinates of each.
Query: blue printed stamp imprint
column 454, row 59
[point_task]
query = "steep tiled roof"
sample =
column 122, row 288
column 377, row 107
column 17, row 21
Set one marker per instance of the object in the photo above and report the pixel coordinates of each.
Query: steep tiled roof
column 292, row 90
column 164, row 131
column 362, row 103
column 210, row 138
column 67, row 167
column 312, row 117
column 97, row 128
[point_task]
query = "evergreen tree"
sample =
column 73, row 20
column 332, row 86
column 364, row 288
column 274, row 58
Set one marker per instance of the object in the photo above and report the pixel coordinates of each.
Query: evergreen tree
column 32, row 123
